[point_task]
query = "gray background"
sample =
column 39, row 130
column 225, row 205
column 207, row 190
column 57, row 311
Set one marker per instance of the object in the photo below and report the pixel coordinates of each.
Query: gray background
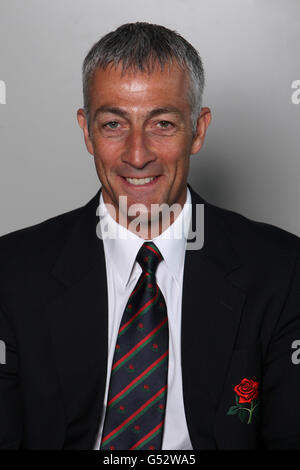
column 250, row 50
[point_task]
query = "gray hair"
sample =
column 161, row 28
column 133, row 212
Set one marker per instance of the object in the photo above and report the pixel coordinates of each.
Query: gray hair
column 140, row 46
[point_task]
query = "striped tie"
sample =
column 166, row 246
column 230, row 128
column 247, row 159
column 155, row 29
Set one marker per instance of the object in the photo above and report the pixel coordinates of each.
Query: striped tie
column 138, row 384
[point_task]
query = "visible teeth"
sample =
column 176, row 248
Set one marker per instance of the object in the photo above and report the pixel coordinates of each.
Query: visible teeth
column 138, row 181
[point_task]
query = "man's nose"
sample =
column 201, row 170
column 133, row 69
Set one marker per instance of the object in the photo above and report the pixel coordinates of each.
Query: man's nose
column 138, row 152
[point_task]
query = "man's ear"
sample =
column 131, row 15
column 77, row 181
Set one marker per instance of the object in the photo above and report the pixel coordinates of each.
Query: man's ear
column 202, row 124
column 82, row 121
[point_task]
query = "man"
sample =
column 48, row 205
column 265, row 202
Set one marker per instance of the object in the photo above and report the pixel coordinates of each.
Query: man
column 135, row 341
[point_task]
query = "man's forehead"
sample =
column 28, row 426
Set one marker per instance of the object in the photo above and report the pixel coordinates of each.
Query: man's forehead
column 136, row 79
column 138, row 92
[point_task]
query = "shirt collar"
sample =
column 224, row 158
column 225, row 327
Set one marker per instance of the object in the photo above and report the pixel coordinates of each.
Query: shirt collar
column 121, row 245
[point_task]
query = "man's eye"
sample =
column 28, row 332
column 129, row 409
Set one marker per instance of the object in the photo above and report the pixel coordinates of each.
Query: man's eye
column 112, row 125
column 165, row 124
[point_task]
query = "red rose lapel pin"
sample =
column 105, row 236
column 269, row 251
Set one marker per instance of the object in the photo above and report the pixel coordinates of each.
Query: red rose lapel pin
column 247, row 401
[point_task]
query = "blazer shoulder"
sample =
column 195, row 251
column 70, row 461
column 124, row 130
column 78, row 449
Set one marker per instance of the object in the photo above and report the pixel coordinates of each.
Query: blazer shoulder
column 256, row 238
column 36, row 243
column 45, row 229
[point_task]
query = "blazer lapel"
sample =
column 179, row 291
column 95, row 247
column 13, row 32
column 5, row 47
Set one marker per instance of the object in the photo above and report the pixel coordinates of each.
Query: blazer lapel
column 79, row 326
column 211, row 309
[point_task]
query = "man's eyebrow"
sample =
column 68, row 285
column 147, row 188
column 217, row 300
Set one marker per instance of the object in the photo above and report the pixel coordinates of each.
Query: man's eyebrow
column 110, row 109
column 154, row 112
column 164, row 110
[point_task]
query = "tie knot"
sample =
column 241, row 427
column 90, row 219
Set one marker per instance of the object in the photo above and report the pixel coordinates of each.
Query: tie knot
column 149, row 257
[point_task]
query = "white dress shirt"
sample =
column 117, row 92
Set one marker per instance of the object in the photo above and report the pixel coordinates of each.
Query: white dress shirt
column 122, row 274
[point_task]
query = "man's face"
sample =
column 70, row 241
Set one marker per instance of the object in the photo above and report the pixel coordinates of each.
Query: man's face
column 140, row 127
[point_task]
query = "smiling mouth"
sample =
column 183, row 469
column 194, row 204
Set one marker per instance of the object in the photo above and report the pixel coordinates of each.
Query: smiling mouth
column 140, row 181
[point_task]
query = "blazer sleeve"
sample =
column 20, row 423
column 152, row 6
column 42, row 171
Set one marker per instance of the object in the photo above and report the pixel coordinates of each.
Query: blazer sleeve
column 281, row 384
column 10, row 406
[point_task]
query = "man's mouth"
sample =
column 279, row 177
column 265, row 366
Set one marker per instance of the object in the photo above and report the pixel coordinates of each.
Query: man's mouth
column 141, row 181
